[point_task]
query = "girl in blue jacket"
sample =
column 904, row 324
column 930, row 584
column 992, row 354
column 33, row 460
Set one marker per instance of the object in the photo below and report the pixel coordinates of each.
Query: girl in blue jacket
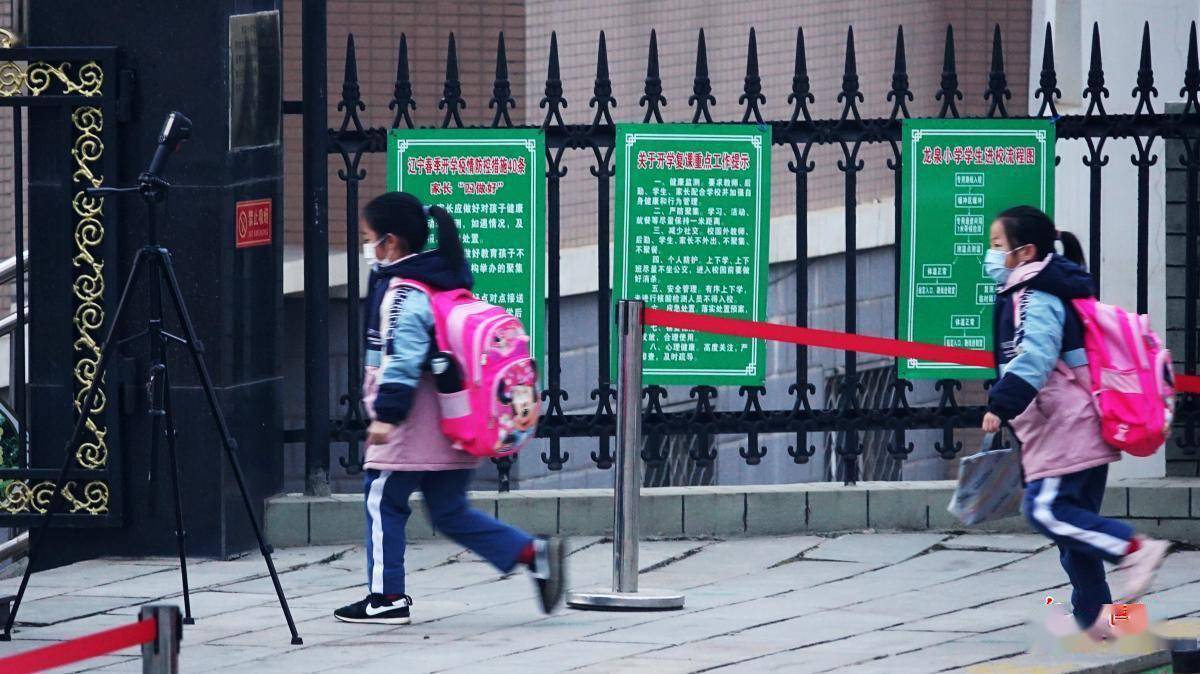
column 1044, row 393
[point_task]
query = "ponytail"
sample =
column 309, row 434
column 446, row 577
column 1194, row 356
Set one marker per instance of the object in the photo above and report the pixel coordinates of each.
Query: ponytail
column 1072, row 250
column 404, row 216
column 449, row 245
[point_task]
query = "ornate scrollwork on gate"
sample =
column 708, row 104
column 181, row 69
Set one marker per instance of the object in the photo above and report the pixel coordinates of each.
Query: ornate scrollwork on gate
column 39, row 77
column 89, row 279
column 32, row 496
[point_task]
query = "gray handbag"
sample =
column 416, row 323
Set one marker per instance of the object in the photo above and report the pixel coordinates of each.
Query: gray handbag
column 990, row 485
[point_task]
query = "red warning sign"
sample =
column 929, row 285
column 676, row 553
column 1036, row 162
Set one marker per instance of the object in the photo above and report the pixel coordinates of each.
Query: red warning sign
column 253, row 222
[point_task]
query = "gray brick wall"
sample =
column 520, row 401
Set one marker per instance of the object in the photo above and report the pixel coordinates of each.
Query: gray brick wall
column 1178, row 462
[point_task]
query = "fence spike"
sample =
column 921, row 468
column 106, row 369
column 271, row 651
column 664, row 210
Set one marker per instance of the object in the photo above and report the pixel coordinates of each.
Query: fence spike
column 900, row 94
column 402, row 98
column 701, row 96
column 998, row 90
column 602, row 97
column 652, row 97
column 1191, row 77
column 501, row 59
column 351, row 71
column 552, row 70
column 502, row 99
column 850, row 89
column 1145, row 77
column 1048, row 82
column 602, row 65
column 452, row 100
column 351, row 101
column 553, row 99
column 752, row 89
column 949, row 93
column 1095, row 81
column 801, row 94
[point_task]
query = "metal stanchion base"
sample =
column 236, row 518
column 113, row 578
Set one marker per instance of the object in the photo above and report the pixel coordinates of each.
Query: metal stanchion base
column 642, row 600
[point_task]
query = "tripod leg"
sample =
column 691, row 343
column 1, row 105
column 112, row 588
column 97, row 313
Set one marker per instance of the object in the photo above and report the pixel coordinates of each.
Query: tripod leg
column 180, row 533
column 155, row 431
column 89, row 401
column 230, row 444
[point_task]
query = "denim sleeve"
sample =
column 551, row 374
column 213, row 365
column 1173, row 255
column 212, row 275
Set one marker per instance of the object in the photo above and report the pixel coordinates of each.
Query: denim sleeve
column 1039, row 347
column 406, row 346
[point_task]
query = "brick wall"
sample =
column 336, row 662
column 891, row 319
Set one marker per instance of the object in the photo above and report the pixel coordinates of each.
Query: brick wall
column 1178, row 462
column 627, row 25
column 377, row 26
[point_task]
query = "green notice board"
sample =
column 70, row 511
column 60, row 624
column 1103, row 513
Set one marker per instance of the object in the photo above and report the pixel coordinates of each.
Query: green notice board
column 492, row 181
column 958, row 174
column 693, row 216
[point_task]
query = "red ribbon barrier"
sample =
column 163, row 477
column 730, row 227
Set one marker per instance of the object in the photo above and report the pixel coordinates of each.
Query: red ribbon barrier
column 843, row 341
column 83, row 648
column 1187, row 383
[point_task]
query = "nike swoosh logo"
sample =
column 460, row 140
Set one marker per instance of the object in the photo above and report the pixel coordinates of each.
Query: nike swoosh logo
column 376, row 610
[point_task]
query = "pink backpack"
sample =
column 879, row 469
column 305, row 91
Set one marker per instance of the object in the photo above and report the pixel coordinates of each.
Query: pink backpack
column 1132, row 378
column 496, row 412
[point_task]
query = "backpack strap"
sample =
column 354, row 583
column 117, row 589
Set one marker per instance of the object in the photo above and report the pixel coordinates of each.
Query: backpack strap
column 398, row 282
column 439, row 301
column 1022, row 296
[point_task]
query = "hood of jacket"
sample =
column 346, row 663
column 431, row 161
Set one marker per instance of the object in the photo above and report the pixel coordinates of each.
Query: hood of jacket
column 429, row 268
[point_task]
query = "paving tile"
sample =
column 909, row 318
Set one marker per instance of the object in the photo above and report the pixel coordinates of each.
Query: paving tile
column 998, row 542
column 863, row 602
column 874, row 548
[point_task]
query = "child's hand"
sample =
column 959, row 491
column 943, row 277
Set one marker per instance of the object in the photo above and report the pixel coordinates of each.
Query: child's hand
column 991, row 423
column 378, row 432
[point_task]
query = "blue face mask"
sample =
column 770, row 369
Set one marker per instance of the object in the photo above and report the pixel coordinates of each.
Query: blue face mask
column 993, row 265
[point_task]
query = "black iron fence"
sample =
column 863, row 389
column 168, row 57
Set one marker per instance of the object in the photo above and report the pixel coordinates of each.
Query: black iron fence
column 855, row 414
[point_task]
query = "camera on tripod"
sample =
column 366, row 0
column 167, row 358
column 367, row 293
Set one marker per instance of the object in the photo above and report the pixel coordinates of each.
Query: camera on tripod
column 176, row 130
column 153, row 267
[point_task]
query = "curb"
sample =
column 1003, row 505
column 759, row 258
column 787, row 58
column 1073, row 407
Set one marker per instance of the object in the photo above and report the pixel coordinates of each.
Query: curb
column 1160, row 507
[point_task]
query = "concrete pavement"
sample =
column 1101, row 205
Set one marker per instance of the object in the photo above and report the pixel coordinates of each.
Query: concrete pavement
column 860, row 602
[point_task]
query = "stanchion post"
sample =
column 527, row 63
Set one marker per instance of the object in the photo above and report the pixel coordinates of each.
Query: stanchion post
column 161, row 656
column 625, row 594
column 626, row 523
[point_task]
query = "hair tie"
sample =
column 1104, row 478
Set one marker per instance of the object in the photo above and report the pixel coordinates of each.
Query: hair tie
column 425, row 209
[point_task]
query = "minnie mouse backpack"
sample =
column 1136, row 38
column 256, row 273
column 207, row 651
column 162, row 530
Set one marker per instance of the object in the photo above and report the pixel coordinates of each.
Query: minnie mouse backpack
column 496, row 409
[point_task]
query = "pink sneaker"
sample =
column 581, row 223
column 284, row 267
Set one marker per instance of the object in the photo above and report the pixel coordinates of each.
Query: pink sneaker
column 1136, row 570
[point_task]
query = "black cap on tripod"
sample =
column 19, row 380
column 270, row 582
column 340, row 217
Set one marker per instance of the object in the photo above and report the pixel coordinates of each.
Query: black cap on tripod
column 176, row 129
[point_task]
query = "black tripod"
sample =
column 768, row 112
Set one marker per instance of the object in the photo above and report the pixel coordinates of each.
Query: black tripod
column 155, row 260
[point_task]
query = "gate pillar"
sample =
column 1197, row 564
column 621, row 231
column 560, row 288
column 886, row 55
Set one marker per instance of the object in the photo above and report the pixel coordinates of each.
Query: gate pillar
column 218, row 62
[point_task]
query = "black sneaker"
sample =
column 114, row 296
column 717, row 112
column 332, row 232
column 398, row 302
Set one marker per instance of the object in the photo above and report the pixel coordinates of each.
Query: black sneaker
column 549, row 571
column 376, row 609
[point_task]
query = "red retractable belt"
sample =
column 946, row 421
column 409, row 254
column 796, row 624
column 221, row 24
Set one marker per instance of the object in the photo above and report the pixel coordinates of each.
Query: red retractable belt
column 844, row 341
column 82, row 648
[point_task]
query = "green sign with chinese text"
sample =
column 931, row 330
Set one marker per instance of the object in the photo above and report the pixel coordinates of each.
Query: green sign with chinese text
column 957, row 175
column 692, row 233
column 492, row 182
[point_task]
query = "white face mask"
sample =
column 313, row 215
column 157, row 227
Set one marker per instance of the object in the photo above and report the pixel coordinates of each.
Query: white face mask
column 368, row 250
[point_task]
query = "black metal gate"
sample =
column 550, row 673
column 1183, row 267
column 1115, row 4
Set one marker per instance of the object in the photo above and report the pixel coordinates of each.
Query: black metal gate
column 855, row 414
column 64, row 105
